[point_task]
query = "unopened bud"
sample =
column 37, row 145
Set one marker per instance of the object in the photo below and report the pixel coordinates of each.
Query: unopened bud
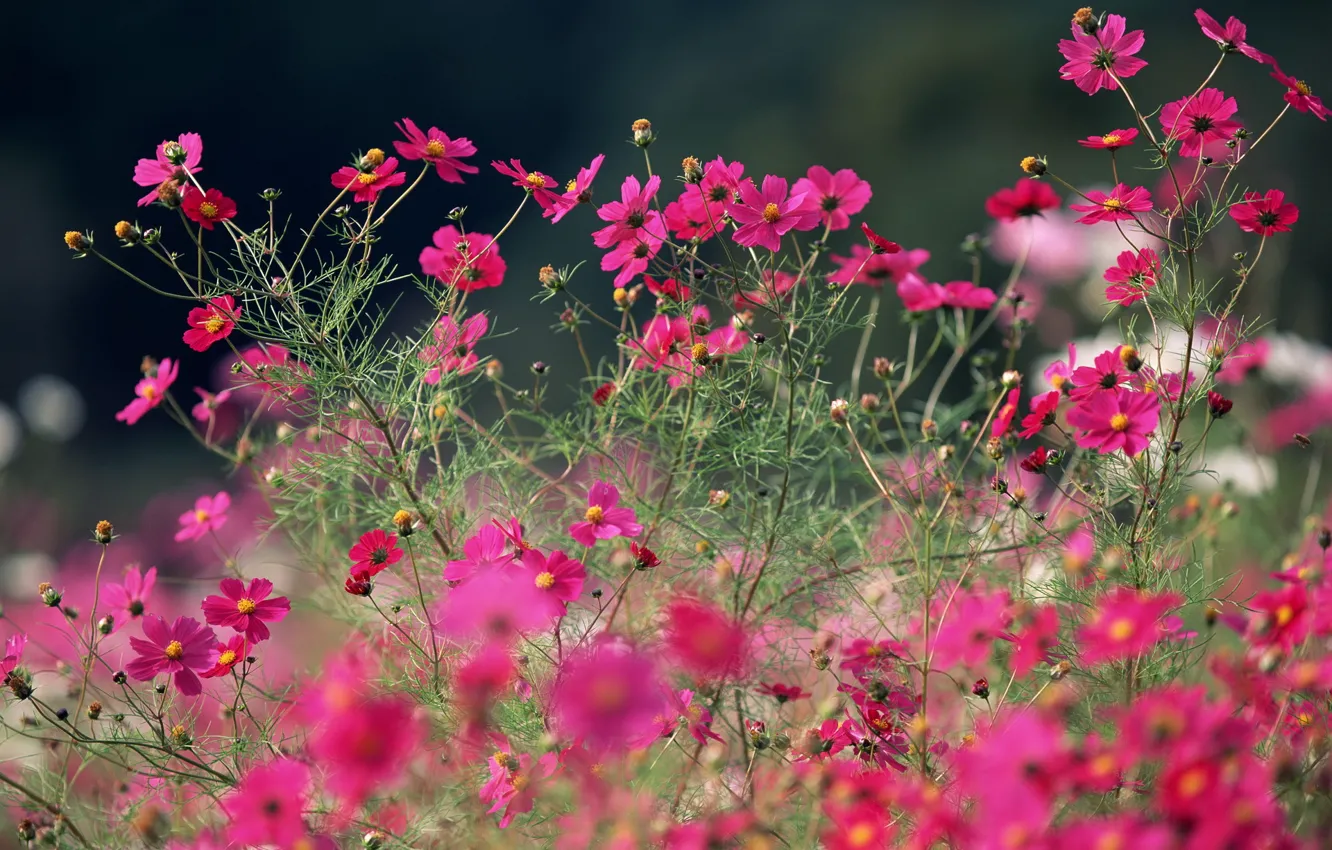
column 869, row 402
column 1085, row 19
column 1032, row 165
column 50, row 596
column 494, row 370
column 1011, row 379
column 929, row 429
column 699, row 354
column 719, row 498
column 127, row 232
column 104, row 532
column 106, row 625
column 404, row 522
column 883, row 368
column 550, row 278
column 981, row 688
column 839, row 410
column 621, row 296
column 994, row 448
column 1060, row 670
column 643, row 135
column 1128, row 355
column 76, row 241
column 373, row 158
column 693, row 169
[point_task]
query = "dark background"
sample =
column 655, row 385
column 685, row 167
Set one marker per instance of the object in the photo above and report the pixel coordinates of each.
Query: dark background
column 933, row 103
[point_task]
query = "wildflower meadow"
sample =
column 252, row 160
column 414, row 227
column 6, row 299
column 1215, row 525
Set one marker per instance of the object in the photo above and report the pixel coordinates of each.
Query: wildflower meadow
column 738, row 592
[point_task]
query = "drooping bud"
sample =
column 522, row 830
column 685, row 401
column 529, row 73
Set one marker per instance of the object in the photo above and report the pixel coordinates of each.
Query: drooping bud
column 981, row 688
column 359, row 584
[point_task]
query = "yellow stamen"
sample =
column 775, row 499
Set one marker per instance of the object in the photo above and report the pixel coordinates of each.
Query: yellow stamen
column 1113, row 204
column 150, row 392
column 208, row 209
column 434, row 147
column 214, row 324
column 1119, row 422
column 861, row 835
column 1121, row 629
column 1284, row 615
column 1111, row 139
column 536, row 181
column 1192, row 782
column 571, row 185
column 1303, row 88
column 174, row 650
column 366, row 178
column 227, row 658
column 772, row 213
column 246, row 606
column 594, row 514
column 545, row 581
column 201, row 516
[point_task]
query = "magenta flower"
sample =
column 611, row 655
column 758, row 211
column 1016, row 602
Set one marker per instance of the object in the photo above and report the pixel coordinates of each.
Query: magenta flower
column 129, row 600
column 494, row 605
column 365, row 748
column 1003, row 417
column 1231, row 37
column 576, row 191
column 919, row 295
column 14, row 646
column 1027, row 198
column 627, row 215
column 965, row 295
column 1200, row 119
column 452, row 351
column 487, row 549
column 1111, row 141
column 664, row 344
column 374, row 552
column 706, row 641
column 835, row 197
column 1094, row 61
column 230, row 652
column 172, row 161
column 434, row 146
column 541, row 186
column 632, row 255
column 1106, row 373
column 364, row 185
column 246, row 608
column 608, row 695
column 267, row 808
column 466, row 261
column 181, row 649
column 768, row 215
column 1126, row 624
column 697, row 213
column 212, row 323
column 1264, row 214
column 604, row 519
column 208, row 404
column 558, row 577
column 1133, row 274
column 878, row 244
column 1122, row 419
column 867, row 266
column 1300, row 95
column 209, row 514
column 1119, row 205
column 150, row 391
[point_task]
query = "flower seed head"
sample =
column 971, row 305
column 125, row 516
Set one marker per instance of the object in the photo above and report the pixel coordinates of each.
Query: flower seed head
column 404, row 522
column 76, row 241
column 643, row 135
column 1032, row 166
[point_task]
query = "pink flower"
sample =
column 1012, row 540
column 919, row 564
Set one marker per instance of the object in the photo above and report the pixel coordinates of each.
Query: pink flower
column 1111, row 141
column 1126, row 624
column 1231, row 38
column 607, row 694
column 768, row 215
column 494, row 605
column 206, row 208
column 209, row 514
column 246, row 608
column 467, row 261
column 874, row 269
column 1265, row 214
column 150, row 391
column 1119, row 419
column 1119, row 205
column 964, row 633
column 129, row 600
column 1199, row 119
column 374, row 552
column 487, row 549
column 14, row 646
column 172, row 161
column 540, row 186
column 452, row 351
column 632, row 255
column 1003, row 417
column 366, row 748
column 1060, row 373
column 211, row 323
column 777, row 287
column 965, row 295
column 181, row 649
column 835, row 197
column 918, row 295
column 576, row 191
column 1298, row 95
column 267, row 807
column 558, row 577
column 1043, row 409
column 603, row 519
column 1027, row 198
column 878, row 244
column 627, row 215
column 1032, row 645
column 1131, row 277
column 436, row 147
column 230, row 652
column 1095, row 60
column 783, row 693
column 706, row 641
column 365, row 185
column 208, row 404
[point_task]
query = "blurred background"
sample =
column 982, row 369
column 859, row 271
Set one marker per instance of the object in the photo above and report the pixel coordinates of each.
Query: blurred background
column 933, row 103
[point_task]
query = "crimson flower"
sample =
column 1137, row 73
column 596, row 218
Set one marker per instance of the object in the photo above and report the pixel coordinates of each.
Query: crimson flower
column 878, row 244
column 1111, row 141
column 867, row 266
column 602, row 394
column 1027, row 198
column 206, row 208
column 466, row 261
column 375, row 552
column 1043, row 409
column 229, row 653
column 1300, row 96
column 1036, row 461
column 833, row 197
column 541, row 186
column 364, row 185
column 1231, row 37
column 644, row 558
column 1122, row 419
column 211, row 323
column 1126, row 624
column 783, row 693
column 246, row 608
column 1217, row 404
column 181, row 649
column 1094, row 61
column 1199, row 119
column 705, row 640
column 1265, row 214
column 766, row 216
column 434, row 146
column 1003, row 417
column 1119, row 205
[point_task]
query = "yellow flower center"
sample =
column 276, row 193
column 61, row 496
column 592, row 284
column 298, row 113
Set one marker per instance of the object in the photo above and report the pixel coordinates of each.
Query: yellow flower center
column 227, row 658
column 150, row 392
column 1103, row 764
column 861, row 835
column 1284, row 615
column 1304, row 718
column 571, row 185
column 500, row 758
column 201, row 516
column 772, row 213
column 518, row 781
column 1113, row 204
column 1111, row 139
column 545, row 581
column 1119, row 422
column 1110, row 841
column 1058, row 381
column 536, row 181
column 1303, row 88
column 434, row 147
column 1192, row 782
column 208, row 209
column 246, row 606
column 594, row 514
column 365, row 178
column 174, row 650
column 214, row 324
column 1121, row 629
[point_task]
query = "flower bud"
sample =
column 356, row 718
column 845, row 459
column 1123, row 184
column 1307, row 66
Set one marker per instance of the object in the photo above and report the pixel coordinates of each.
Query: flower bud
column 839, row 410
column 981, row 688
column 174, row 152
column 539, row 368
column 26, row 830
column 404, row 522
column 994, row 448
column 643, row 135
column 719, row 498
column 50, row 596
column 1011, row 379
column 1128, row 355
column 699, row 354
column 270, row 194
column 76, row 241
column 374, row 840
column 693, row 169
column 929, row 429
column 869, row 402
column 127, row 232
column 644, row 558
column 94, row 710
column 621, row 296
column 104, row 532
column 1324, row 538
column 1217, row 404
column 883, row 368
column 106, row 625
column 494, row 370
column 1086, row 19
column 550, row 278
column 373, row 159
column 1032, row 165
column 359, row 584
column 168, row 193
column 820, row 659
column 602, row 394
column 1060, row 670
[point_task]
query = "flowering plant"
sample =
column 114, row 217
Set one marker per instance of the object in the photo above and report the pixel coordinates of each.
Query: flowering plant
column 735, row 595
